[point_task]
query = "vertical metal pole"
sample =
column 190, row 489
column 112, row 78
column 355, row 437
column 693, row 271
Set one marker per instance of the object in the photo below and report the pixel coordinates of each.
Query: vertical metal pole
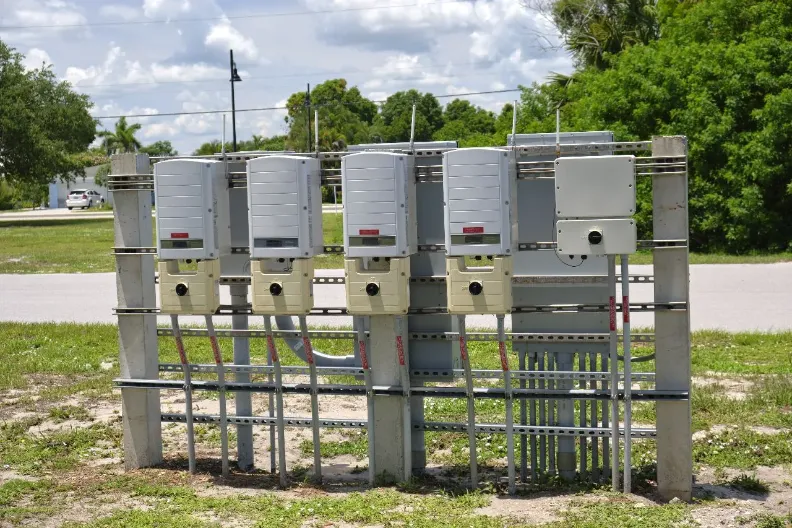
column 672, row 328
column 471, row 408
column 551, row 414
column 594, row 420
column 218, row 357
column 542, row 418
column 273, row 354
column 308, row 115
column 188, row 411
column 583, row 418
column 233, row 103
column 566, row 457
column 271, row 413
column 613, row 343
column 317, row 448
column 137, row 334
column 405, row 383
column 605, row 421
column 509, row 403
column 316, row 131
column 412, row 130
column 625, row 272
column 364, row 363
column 532, row 385
column 244, row 405
column 523, row 417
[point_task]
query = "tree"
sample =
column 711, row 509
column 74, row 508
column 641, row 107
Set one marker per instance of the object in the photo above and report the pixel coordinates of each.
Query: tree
column 43, row 123
column 344, row 116
column 721, row 74
column 393, row 123
column 592, row 29
column 213, row 147
column 159, row 148
column 274, row 143
column 462, row 120
column 122, row 139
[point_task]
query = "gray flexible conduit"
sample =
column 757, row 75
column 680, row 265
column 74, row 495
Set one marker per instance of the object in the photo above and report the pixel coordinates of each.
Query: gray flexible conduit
column 285, row 323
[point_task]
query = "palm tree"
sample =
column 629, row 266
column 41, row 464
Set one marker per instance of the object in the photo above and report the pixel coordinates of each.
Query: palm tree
column 122, row 140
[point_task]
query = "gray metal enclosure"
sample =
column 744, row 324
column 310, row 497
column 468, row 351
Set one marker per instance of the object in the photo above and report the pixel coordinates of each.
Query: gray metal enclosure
column 560, row 331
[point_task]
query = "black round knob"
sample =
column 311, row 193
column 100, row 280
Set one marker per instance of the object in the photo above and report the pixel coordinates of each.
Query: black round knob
column 475, row 288
column 595, row 237
column 276, row 289
column 181, row 289
column 372, row 289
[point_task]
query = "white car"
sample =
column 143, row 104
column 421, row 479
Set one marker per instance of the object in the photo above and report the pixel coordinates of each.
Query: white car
column 83, row 198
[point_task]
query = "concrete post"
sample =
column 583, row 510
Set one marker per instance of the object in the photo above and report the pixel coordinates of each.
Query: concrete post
column 244, row 405
column 137, row 334
column 565, row 417
column 390, row 456
column 672, row 329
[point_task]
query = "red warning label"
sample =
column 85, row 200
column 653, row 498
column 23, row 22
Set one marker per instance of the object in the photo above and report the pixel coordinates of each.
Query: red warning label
column 368, row 232
column 472, row 230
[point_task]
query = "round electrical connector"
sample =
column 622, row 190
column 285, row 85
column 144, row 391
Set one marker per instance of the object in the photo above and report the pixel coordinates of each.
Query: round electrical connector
column 475, row 288
column 181, row 289
column 595, row 237
column 275, row 289
column 372, row 289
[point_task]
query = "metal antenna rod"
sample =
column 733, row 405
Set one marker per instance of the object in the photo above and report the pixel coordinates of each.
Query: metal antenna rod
column 627, row 374
column 514, row 125
column 558, row 132
column 471, row 407
column 188, row 411
column 614, row 366
column 272, row 352
column 317, row 448
column 218, row 357
column 509, row 403
column 316, row 130
column 412, row 130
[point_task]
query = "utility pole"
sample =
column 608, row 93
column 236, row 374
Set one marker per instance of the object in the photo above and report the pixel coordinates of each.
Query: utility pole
column 234, row 78
column 308, row 115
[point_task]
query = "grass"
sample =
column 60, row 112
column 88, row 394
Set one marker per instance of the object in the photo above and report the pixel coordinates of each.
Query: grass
column 85, row 245
column 748, row 484
column 48, row 246
column 69, row 412
column 743, row 449
column 355, row 443
column 34, row 454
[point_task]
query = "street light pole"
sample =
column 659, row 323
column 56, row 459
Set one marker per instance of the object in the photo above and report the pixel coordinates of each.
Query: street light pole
column 234, row 78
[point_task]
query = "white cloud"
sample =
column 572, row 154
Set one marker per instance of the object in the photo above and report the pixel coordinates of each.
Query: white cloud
column 165, row 8
column 119, row 12
column 225, row 36
column 405, row 68
column 35, row 57
column 46, row 14
column 115, row 70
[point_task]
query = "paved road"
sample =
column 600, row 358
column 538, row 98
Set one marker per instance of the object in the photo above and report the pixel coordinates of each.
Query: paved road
column 65, row 214
column 732, row 297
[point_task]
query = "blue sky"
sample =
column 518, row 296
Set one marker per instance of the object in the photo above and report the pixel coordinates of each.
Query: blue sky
column 126, row 66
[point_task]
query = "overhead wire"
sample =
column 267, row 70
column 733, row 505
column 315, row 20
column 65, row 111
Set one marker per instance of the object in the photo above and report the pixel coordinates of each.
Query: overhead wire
column 271, row 108
column 231, row 17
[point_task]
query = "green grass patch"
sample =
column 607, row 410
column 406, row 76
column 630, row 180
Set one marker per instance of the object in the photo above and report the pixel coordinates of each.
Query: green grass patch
column 355, row 443
column 56, row 246
column 748, row 484
column 29, row 453
column 767, row 520
column 69, row 412
column 623, row 513
column 743, row 449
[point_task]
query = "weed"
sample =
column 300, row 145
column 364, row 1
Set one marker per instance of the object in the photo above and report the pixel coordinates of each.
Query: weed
column 69, row 412
column 748, row 484
column 743, row 449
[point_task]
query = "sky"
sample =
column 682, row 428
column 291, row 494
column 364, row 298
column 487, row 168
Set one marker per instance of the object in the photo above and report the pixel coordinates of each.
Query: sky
column 163, row 56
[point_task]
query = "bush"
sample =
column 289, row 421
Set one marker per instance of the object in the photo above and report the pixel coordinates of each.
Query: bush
column 7, row 196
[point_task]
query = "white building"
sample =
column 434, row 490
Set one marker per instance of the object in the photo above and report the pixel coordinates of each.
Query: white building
column 59, row 190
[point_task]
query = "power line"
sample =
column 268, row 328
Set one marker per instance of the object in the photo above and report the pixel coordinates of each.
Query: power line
column 207, row 112
column 231, row 17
